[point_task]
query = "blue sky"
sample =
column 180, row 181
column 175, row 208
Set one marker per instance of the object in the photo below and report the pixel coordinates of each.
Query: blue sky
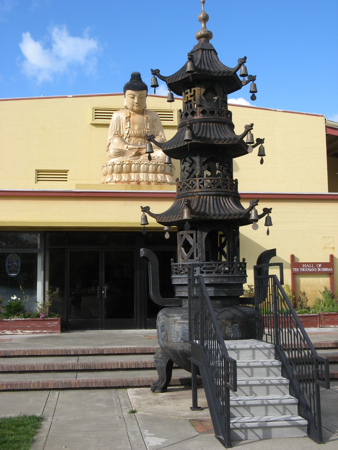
column 71, row 47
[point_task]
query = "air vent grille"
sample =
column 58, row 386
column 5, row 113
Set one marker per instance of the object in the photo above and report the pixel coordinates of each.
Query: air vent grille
column 104, row 115
column 51, row 176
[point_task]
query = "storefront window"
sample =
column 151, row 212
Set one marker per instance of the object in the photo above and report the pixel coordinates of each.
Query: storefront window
column 21, row 267
column 19, row 240
column 24, row 283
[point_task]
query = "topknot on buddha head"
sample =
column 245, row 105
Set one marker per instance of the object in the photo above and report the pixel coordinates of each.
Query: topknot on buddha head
column 135, row 83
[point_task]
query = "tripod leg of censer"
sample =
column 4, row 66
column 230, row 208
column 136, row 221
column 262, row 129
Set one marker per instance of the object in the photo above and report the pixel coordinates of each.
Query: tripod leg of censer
column 164, row 367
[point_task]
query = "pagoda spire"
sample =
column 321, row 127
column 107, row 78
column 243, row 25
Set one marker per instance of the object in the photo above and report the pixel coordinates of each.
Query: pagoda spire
column 204, row 33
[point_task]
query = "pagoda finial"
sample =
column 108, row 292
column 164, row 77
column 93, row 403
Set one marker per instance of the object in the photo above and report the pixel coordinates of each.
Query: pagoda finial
column 203, row 18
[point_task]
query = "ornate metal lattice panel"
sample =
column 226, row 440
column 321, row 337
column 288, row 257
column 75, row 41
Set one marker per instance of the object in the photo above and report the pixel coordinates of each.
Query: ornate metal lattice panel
column 187, row 245
column 188, row 168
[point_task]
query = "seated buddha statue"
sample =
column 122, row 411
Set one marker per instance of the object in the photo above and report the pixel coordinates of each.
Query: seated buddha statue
column 127, row 160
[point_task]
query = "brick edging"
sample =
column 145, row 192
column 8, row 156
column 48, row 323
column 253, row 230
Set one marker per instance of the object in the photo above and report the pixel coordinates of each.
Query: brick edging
column 76, row 366
column 78, row 351
column 84, row 383
column 329, row 344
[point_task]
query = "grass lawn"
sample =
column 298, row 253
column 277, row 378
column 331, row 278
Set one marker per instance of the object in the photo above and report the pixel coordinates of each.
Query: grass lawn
column 17, row 433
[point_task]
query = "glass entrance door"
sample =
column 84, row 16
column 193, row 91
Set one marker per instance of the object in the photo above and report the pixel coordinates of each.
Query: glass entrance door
column 84, row 295
column 119, row 292
column 101, row 292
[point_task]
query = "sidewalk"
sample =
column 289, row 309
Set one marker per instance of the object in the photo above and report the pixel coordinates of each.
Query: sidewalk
column 100, row 419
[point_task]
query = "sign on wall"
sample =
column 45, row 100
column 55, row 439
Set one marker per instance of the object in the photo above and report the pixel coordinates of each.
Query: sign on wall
column 300, row 268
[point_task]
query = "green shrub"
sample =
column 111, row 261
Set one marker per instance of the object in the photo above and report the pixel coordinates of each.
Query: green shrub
column 289, row 294
column 326, row 303
column 14, row 307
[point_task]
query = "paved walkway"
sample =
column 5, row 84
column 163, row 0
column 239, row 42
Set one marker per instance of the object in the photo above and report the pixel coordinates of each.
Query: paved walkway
column 103, row 418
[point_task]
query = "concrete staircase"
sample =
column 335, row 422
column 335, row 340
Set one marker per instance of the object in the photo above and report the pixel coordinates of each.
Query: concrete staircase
column 262, row 407
column 81, row 368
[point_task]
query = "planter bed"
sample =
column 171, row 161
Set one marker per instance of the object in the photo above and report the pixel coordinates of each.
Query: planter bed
column 320, row 320
column 30, row 326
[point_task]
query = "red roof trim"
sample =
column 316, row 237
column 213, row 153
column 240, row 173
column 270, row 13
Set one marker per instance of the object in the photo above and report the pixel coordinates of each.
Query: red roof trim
column 152, row 95
column 332, row 131
column 76, row 96
column 158, row 194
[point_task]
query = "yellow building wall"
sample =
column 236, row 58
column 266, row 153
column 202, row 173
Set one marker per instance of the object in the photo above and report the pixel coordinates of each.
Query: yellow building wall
column 295, row 146
column 305, row 228
column 57, row 134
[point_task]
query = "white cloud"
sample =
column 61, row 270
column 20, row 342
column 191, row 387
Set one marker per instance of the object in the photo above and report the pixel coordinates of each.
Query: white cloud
column 65, row 53
column 334, row 118
column 239, row 101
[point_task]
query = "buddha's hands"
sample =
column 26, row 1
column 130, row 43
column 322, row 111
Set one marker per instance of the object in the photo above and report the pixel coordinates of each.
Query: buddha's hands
column 135, row 151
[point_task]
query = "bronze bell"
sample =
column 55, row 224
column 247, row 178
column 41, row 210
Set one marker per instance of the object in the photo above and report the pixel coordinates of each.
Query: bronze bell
column 253, row 88
column 268, row 221
column 154, row 83
column 149, row 150
column 186, row 213
column 190, row 66
column 250, row 138
column 243, row 72
column 188, row 135
column 170, row 97
column 167, row 160
column 261, row 150
column 144, row 219
column 254, row 215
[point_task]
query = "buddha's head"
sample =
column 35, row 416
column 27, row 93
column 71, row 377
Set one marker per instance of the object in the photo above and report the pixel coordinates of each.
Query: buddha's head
column 135, row 93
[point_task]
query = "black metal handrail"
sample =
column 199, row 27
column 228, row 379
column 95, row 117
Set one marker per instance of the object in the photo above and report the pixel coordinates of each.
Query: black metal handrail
column 278, row 323
column 209, row 353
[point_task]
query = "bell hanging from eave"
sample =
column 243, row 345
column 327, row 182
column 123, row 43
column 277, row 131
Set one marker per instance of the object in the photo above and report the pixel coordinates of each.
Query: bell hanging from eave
column 167, row 160
column 190, row 67
column 253, row 91
column 149, row 150
column 268, row 223
column 250, row 138
column 154, row 83
column 261, row 153
column 186, row 211
column 254, row 215
column 243, row 72
column 170, row 97
column 144, row 219
column 188, row 135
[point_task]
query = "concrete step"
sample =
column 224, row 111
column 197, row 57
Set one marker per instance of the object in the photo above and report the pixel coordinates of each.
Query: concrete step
column 250, row 349
column 81, row 368
column 84, row 379
column 263, row 406
column 268, row 427
column 275, row 386
column 78, row 351
column 254, row 368
column 76, row 363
